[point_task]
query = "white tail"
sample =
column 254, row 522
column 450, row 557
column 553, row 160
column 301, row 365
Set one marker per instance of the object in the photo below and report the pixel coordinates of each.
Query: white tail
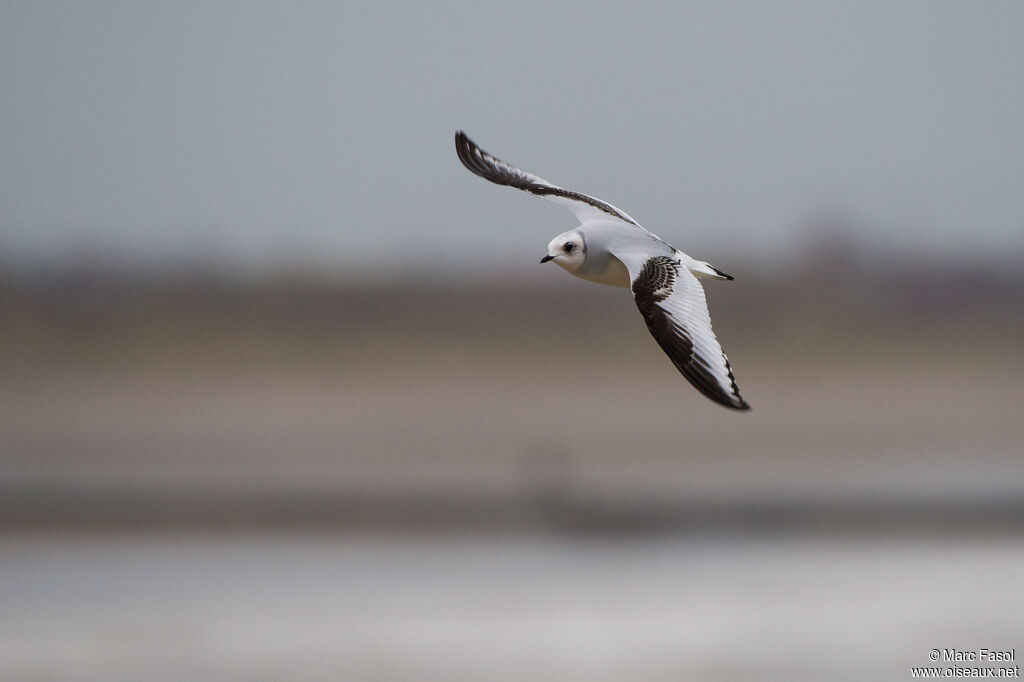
column 702, row 269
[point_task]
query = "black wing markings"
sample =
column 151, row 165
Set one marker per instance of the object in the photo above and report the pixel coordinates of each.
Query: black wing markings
column 654, row 284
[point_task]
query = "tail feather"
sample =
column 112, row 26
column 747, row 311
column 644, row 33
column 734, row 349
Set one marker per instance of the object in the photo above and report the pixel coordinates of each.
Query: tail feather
column 702, row 269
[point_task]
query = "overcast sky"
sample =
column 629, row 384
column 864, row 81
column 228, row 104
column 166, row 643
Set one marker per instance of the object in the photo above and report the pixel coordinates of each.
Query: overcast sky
column 276, row 133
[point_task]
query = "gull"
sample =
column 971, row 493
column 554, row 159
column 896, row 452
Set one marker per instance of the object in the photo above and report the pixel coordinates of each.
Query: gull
column 609, row 247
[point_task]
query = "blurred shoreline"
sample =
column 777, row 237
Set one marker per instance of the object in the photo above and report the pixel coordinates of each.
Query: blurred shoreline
column 886, row 396
column 112, row 510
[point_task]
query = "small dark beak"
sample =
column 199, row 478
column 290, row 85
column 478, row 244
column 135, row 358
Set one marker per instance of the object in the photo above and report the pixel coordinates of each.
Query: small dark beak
column 545, row 259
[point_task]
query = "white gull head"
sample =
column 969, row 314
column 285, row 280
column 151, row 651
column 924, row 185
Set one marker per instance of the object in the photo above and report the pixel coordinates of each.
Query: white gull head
column 567, row 250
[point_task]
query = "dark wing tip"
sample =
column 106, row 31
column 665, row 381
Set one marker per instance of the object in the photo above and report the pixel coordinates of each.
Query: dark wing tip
column 465, row 147
column 490, row 167
column 474, row 159
column 704, row 382
column 743, row 405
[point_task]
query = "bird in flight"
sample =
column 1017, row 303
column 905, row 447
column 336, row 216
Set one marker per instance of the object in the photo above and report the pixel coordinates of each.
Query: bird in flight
column 609, row 247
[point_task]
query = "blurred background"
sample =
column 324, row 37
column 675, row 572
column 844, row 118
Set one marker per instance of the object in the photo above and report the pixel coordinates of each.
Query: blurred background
column 284, row 392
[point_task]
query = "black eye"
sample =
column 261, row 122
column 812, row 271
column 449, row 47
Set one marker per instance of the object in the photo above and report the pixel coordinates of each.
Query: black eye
column 569, row 246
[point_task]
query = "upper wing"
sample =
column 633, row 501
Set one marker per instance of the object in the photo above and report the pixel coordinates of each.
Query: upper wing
column 673, row 305
column 497, row 171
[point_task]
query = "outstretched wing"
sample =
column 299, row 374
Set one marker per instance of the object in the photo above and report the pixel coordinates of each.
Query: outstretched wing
column 676, row 312
column 492, row 168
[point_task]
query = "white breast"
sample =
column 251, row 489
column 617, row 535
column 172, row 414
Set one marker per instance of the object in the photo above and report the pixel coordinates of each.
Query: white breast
column 614, row 274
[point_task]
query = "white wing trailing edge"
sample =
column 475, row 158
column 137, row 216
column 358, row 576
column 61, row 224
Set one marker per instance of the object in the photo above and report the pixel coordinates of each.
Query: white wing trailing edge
column 676, row 312
column 490, row 167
